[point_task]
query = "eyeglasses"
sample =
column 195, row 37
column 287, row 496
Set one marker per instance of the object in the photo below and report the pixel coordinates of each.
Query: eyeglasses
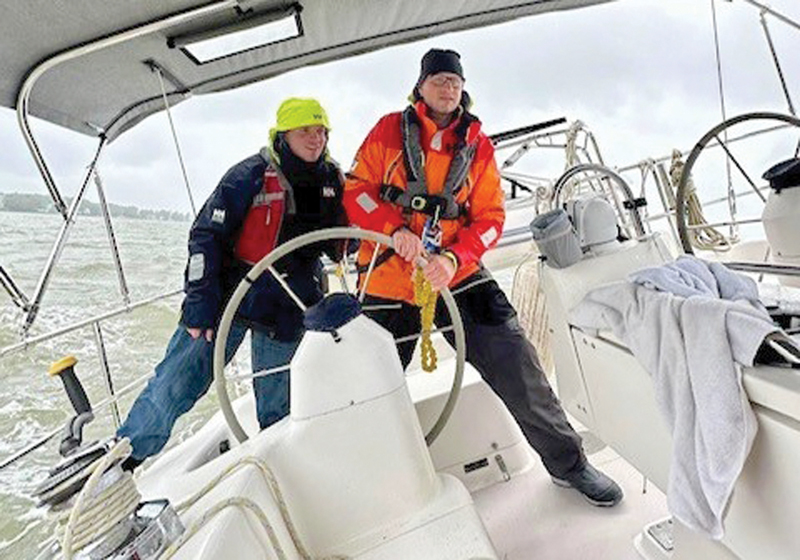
column 442, row 81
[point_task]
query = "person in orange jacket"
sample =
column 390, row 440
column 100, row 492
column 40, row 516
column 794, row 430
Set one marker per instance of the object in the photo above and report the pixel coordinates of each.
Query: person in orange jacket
column 427, row 177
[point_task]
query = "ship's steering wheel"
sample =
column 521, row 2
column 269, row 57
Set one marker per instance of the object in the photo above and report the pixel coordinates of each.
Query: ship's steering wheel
column 709, row 138
column 266, row 264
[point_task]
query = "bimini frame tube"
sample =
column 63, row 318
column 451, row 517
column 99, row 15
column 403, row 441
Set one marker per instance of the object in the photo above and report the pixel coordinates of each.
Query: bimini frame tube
column 112, row 239
column 23, row 97
column 58, row 246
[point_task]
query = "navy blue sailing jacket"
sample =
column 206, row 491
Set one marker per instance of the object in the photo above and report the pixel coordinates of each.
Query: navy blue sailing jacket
column 213, row 271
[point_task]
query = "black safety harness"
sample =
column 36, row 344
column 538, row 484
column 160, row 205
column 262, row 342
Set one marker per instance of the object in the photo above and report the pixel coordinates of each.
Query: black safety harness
column 415, row 197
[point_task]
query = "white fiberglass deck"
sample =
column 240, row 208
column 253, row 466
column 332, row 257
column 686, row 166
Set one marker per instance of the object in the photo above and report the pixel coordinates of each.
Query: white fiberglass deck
column 530, row 518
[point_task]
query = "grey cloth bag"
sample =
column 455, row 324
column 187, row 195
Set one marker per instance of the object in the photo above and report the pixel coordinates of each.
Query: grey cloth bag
column 556, row 238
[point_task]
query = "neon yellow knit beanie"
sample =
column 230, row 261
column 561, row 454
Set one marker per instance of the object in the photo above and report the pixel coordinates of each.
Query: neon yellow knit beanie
column 297, row 112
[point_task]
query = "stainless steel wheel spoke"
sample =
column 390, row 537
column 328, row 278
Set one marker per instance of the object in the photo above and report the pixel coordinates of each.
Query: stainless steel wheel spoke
column 419, row 334
column 286, row 288
column 741, row 169
column 344, row 264
column 259, row 373
column 372, row 260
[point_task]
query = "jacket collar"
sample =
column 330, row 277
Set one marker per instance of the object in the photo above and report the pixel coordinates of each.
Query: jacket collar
column 430, row 127
column 429, row 124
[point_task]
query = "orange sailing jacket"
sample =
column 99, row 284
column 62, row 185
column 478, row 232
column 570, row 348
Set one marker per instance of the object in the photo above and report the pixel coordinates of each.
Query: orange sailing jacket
column 380, row 161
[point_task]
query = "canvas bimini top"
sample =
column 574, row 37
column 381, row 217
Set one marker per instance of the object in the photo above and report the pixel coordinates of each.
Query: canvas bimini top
column 88, row 65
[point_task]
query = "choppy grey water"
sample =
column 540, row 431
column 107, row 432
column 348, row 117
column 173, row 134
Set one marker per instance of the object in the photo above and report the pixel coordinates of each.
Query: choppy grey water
column 84, row 285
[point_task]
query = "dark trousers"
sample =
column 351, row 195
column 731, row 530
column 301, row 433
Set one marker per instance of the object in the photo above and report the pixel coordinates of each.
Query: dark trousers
column 497, row 347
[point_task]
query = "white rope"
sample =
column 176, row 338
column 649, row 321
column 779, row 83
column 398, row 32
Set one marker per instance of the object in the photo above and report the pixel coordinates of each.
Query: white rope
column 571, row 147
column 272, row 484
column 209, row 514
column 528, row 299
column 704, row 237
column 94, row 514
column 571, row 158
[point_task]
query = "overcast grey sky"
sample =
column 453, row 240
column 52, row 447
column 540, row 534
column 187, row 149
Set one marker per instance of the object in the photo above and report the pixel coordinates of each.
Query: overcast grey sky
column 640, row 73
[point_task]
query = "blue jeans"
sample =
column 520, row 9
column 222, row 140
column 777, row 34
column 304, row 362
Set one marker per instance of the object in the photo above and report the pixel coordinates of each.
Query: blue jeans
column 185, row 374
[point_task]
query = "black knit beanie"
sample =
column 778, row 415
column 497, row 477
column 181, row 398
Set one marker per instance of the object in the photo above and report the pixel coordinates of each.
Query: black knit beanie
column 440, row 60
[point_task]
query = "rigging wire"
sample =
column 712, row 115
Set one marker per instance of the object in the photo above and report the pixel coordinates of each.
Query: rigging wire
column 777, row 63
column 731, row 193
column 764, row 9
column 158, row 73
column 779, row 70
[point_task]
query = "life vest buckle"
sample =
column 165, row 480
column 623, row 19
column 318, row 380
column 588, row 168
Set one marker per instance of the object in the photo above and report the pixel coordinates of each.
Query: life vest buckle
column 419, row 203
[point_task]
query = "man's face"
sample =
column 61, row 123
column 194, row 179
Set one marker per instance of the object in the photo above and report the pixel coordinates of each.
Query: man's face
column 442, row 91
column 307, row 142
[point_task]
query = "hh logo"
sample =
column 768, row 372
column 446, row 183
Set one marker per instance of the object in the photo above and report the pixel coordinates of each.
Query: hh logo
column 328, row 192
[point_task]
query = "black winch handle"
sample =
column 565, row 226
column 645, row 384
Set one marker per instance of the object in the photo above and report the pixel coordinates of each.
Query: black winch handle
column 65, row 369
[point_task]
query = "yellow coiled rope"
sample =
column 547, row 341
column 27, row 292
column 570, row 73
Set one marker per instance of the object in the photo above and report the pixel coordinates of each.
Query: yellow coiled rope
column 425, row 298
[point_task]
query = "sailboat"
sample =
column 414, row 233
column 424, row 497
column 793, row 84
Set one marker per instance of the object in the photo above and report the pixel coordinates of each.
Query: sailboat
column 378, row 465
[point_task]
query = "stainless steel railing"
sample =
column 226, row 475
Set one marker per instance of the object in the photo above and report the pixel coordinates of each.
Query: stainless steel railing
column 112, row 395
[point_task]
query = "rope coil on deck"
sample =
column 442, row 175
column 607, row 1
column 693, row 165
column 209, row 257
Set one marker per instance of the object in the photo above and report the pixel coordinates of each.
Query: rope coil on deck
column 94, row 514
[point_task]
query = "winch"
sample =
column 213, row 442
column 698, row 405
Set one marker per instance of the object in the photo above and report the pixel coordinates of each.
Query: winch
column 594, row 220
column 98, row 511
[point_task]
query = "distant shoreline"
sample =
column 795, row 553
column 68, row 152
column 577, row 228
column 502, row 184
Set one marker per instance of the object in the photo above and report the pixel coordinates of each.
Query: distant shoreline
column 41, row 204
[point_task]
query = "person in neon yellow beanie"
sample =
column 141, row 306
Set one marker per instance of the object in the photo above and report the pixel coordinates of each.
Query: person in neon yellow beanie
column 297, row 112
column 289, row 188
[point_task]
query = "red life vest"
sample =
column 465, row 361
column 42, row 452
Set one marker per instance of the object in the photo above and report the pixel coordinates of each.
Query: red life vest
column 262, row 224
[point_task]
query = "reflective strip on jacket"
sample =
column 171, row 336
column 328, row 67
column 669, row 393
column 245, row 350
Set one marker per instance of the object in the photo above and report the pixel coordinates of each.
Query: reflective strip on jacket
column 380, row 160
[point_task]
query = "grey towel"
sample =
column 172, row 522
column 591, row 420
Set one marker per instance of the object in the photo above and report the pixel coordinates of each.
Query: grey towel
column 689, row 276
column 691, row 346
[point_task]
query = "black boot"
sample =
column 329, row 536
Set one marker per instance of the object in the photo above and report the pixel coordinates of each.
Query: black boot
column 130, row 464
column 595, row 486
